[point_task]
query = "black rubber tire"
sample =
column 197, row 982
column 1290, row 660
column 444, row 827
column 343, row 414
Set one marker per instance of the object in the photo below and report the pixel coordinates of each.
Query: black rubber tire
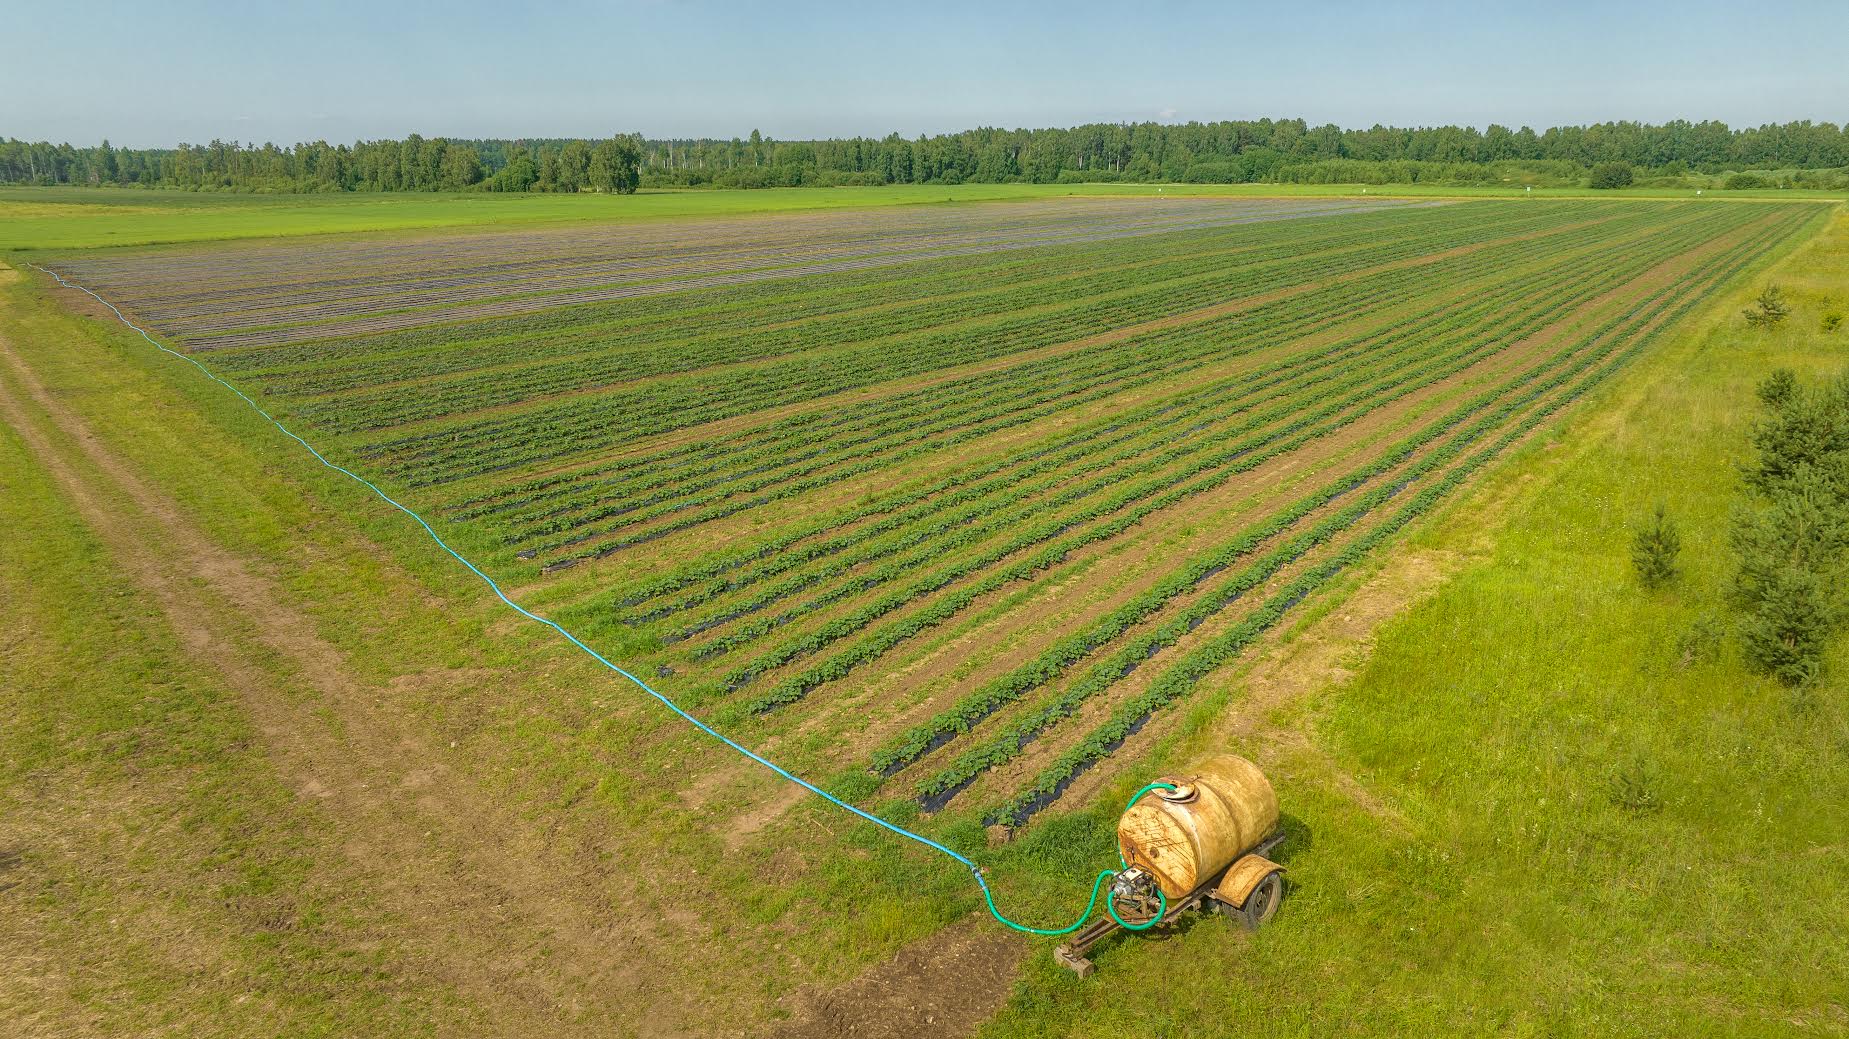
column 1262, row 904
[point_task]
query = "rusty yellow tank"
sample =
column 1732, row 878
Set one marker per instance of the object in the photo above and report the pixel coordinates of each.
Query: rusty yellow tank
column 1220, row 809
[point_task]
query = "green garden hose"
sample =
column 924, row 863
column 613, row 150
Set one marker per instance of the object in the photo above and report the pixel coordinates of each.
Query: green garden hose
column 1096, row 884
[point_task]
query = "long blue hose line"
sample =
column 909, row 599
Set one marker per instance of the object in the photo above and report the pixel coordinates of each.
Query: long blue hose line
column 975, row 870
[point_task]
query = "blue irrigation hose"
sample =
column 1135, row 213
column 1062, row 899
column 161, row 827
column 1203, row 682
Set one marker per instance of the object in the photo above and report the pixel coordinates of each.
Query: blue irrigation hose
column 975, row 870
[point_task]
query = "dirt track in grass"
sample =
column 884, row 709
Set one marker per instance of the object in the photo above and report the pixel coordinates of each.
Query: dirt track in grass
column 492, row 913
column 946, row 985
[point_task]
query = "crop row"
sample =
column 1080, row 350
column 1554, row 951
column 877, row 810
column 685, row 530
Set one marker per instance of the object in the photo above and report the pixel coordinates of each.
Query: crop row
column 904, row 429
column 1003, row 511
column 1072, row 649
column 866, row 425
column 1371, row 385
column 1259, row 321
column 594, row 329
column 293, row 309
column 1000, row 311
column 936, row 790
column 627, row 465
column 1220, row 469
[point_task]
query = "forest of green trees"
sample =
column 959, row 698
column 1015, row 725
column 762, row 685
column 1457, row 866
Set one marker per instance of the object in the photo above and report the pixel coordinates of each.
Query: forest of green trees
column 1798, row 154
column 413, row 164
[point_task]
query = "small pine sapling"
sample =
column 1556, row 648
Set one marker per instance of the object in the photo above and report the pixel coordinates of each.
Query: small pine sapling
column 1775, row 392
column 1655, row 548
column 1769, row 309
column 1701, row 643
column 1636, row 786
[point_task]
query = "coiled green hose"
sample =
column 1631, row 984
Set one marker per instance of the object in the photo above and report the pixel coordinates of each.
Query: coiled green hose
column 1096, row 885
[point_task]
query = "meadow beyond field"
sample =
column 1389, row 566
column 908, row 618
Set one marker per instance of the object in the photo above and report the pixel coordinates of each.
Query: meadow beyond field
column 974, row 514
column 65, row 218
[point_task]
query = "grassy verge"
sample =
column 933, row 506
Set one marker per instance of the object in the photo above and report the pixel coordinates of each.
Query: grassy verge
column 1586, row 817
column 155, row 876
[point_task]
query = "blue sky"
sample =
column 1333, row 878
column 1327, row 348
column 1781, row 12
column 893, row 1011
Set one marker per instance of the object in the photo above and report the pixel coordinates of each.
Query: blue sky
column 150, row 73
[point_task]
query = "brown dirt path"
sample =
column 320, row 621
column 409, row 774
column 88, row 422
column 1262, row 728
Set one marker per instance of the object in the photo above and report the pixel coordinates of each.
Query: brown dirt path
column 488, row 908
column 945, row 986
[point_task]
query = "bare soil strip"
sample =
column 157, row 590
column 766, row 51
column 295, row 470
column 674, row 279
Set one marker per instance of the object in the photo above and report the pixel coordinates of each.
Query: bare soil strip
column 946, row 985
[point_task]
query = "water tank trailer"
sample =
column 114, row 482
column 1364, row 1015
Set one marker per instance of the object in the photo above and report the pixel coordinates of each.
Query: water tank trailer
column 1200, row 839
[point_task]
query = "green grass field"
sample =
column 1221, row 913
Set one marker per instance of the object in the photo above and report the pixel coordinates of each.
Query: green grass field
column 81, row 218
column 330, row 787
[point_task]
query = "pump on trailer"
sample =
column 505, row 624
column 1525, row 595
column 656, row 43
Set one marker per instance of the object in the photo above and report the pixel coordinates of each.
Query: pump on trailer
column 1198, row 841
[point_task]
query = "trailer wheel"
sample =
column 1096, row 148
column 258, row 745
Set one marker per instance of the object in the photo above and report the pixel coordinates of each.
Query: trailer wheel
column 1260, row 906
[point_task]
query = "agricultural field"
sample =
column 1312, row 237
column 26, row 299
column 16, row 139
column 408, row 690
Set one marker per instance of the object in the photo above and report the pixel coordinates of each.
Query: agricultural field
column 950, row 504
column 63, row 218
column 969, row 513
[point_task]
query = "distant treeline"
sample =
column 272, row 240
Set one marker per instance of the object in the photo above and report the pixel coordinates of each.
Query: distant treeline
column 1276, row 150
column 413, row 164
column 1241, row 151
